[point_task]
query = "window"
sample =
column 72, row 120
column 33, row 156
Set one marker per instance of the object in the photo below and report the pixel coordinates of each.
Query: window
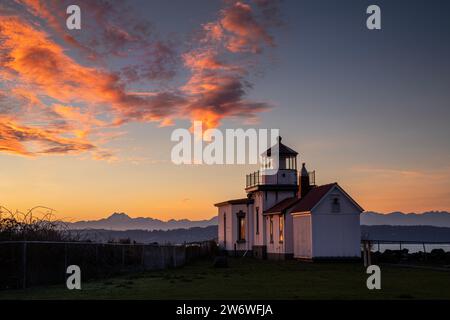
column 281, row 227
column 271, row 229
column 336, row 205
column 241, row 226
column 290, row 163
column 257, row 220
column 224, row 228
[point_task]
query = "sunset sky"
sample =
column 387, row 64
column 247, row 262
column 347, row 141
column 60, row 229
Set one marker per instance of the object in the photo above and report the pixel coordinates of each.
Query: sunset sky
column 86, row 115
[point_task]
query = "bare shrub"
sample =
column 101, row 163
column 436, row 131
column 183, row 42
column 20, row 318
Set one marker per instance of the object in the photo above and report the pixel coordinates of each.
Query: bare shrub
column 36, row 224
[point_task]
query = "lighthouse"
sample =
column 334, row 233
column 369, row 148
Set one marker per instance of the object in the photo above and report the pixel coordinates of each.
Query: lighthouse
column 270, row 222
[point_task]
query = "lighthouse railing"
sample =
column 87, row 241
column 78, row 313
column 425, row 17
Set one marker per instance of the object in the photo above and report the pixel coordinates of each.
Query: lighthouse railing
column 284, row 176
column 253, row 179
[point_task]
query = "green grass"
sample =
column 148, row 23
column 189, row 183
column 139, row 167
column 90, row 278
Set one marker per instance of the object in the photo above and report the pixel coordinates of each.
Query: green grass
column 254, row 279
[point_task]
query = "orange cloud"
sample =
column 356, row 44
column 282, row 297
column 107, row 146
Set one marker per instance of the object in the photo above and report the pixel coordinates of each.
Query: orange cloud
column 247, row 34
column 42, row 66
column 204, row 59
column 15, row 136
column 217, row 87
column 208, row 118
column 38, row 61
column 54, row 102
column 76, row 120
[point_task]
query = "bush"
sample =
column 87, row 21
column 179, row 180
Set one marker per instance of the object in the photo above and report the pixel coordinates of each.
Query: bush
column 35, row 225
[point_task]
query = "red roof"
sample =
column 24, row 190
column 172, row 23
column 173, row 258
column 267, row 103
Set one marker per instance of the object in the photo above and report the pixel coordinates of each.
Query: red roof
column 312, row 198
column 282, row 205
column 301, row 204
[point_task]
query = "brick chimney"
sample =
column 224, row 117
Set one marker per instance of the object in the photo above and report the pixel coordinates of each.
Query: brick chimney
column 304, row 185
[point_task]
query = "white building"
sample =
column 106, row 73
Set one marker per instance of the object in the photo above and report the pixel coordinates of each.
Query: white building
column 282, row 218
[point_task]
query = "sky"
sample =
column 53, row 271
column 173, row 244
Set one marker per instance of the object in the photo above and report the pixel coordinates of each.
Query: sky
column 86, row 115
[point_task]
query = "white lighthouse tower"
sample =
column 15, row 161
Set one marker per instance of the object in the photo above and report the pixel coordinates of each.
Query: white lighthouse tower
column 266, row 190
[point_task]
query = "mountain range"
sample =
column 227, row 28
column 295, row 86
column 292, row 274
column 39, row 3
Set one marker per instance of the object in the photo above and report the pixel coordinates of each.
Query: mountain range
column 431, row 218
column 121, row 221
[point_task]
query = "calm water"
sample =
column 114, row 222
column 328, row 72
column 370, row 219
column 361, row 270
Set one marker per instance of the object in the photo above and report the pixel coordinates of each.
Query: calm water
column 411, row 247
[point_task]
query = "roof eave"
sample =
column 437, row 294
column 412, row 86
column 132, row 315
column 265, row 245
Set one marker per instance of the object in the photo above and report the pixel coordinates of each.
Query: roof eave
column 234, row 202
column 272, row 213
column 300, row 213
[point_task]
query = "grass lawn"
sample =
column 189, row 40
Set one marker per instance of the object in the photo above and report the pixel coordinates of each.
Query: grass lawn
column 253, row 279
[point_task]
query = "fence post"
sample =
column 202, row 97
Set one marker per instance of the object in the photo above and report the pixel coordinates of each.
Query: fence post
column 24, row 264
column 424, row 251
column 163, row 256
column 123, row 256
column 65, row 259
column 364, row 254
column 143, row 257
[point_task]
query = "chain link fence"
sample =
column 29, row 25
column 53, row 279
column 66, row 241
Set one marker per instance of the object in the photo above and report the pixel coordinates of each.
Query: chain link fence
column 31, row 263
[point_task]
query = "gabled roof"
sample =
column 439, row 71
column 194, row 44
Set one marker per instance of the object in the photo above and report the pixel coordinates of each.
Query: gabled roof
column 315, row 195
column 235, row 201
column 283, row 205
